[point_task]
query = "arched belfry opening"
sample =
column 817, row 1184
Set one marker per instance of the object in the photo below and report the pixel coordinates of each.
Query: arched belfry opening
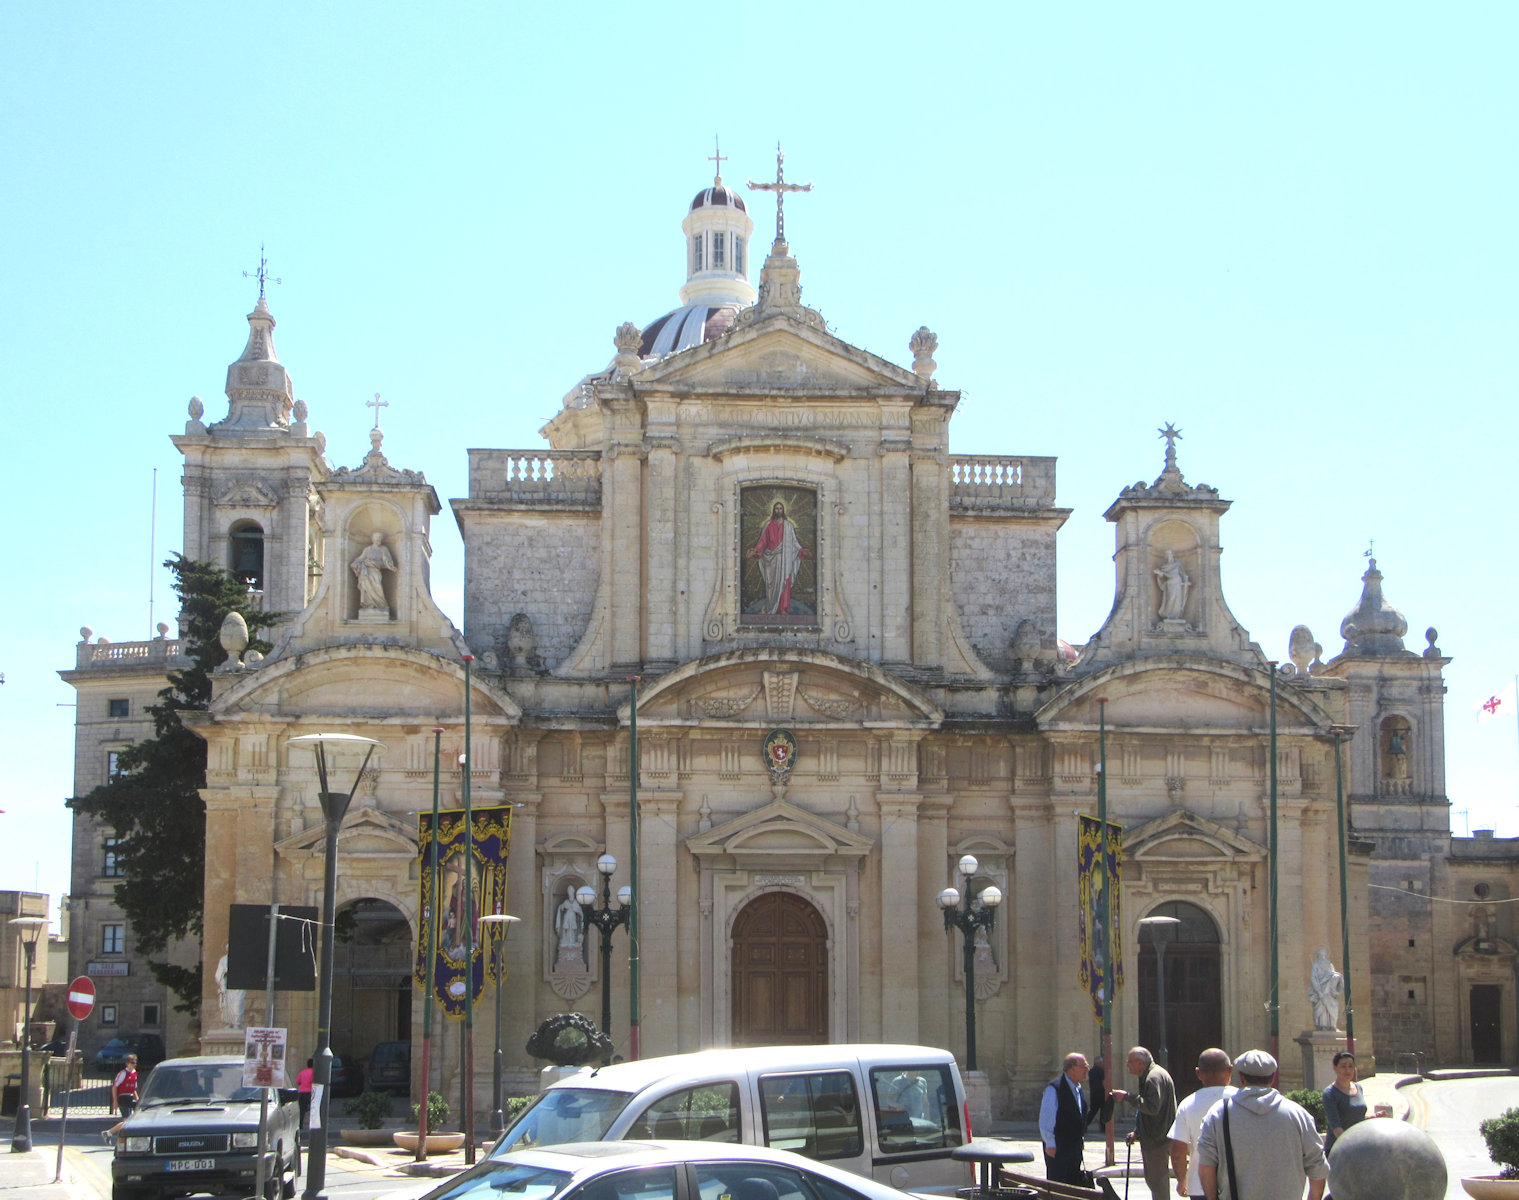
column 780, row 972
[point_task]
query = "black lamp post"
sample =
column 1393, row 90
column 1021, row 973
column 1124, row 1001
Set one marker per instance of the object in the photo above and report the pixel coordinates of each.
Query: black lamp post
column 606, row 919
column 28, row 930
column 968, row 917
column 498, row 1114
column 1162, row 930
column 334, row 807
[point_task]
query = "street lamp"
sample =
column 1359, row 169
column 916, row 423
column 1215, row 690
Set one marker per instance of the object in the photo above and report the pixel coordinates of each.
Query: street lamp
column 498, row 1118
column 968, row 918
column 1162, row 930
column 606, row 919
column 28, row 929
column 334, row 806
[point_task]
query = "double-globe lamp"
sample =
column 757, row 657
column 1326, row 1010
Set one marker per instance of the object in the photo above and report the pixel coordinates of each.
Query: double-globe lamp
column 968, row 917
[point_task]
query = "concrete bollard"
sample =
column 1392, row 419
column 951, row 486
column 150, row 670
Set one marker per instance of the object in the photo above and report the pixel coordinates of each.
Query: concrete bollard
column 1386, row 1160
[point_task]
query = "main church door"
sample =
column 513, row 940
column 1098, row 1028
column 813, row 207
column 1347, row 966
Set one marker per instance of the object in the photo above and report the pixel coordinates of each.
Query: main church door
column 1194, row 1000
column 780, row 972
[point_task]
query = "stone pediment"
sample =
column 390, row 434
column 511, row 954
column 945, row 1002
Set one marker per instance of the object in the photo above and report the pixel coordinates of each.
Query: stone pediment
column 779, row 833
column 1184, row 836
column 248, row 493
column 779, row 354
column 756, row 689
column 366, row 833
column 1167, row 694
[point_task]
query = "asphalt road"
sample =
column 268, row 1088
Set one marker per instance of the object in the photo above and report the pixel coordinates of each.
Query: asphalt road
column 1450, row 1111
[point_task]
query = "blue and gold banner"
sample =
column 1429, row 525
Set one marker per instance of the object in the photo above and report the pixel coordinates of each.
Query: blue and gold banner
column 453, row 979
column 1089, row 851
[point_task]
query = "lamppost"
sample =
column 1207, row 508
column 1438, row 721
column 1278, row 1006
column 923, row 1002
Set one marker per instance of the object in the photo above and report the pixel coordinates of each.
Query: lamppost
column 28, row 930
column 334, row 807
column 968, row 918
column 606, row 919
column 498, row 1116
column 1162, row 929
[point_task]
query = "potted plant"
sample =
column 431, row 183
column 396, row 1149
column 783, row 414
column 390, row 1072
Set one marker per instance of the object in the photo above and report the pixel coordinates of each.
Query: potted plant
column 371, row 1108
column 1501, row 1133
column 438, row 1113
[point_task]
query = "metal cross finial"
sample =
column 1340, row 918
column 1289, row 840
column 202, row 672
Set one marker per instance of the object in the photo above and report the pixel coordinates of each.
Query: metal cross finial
column 377, row 404
column 780, row 187
column 1172, row 435
column 1371, row 548
column 719, row 158
column 262, row 274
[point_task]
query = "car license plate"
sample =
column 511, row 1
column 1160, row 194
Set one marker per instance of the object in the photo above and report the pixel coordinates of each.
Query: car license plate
column 190, row 1164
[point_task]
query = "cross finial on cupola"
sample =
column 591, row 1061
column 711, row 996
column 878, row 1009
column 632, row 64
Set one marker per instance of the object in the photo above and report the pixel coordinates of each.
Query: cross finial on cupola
column 780, row 187
column 719, row 158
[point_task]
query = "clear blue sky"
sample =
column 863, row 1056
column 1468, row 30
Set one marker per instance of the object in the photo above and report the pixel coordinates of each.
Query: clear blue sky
column 1288, row 228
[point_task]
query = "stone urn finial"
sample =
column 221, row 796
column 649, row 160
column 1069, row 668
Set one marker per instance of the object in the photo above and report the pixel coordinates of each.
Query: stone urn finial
column 923, row 344
column 627, row 339
column 234, row 639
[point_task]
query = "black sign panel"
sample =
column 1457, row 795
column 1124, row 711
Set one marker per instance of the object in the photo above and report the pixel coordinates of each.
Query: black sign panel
column 298, row 934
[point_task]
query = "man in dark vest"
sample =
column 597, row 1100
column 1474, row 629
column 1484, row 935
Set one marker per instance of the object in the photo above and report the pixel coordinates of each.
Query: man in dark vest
column 1063, row 1121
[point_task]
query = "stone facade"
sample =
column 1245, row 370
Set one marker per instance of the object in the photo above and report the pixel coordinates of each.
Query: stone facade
column 766, row 527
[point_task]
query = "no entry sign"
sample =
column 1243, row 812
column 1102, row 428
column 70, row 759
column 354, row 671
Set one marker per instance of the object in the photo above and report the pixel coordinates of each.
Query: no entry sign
column 81, row 997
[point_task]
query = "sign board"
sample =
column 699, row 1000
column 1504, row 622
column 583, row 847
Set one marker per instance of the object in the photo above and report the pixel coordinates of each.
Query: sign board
column 295, row 946
column 264, row 1058
column 81, row 1000
column 108, row 970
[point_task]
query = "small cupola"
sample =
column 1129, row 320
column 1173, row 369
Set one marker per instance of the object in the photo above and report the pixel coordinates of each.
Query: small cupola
column 718, row 230
column 258, row 386
column 1374, row 628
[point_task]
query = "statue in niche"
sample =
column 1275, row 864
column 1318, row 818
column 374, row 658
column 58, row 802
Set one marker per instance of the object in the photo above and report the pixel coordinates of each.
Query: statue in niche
column 569, row 934
column 367, row 568
column 1325, row 987
column 1174, row 586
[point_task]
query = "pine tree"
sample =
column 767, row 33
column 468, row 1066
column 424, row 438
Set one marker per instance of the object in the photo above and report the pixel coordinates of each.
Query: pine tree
column 153, row 802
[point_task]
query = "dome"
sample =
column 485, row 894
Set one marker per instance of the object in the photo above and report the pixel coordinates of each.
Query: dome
column 718, row 196
column 688, row 326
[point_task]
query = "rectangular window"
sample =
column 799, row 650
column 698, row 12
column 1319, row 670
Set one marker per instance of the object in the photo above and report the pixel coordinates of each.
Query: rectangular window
column 112, row 764
column 719, row 250
column 915, row 1108
column 696, row 264
column 113, row 939
column 708, row 1113
column 150, row 1014
column 108, row 1014
column 111, row 868
column 738, row 254
column 120, row 708
column 817, row 1115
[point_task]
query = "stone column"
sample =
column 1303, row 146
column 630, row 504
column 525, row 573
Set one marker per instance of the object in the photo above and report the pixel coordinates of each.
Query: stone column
column 900, row 913
column 659, row 921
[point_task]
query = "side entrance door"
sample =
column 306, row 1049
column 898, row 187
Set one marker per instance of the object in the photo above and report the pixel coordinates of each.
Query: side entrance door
column 780, row 973
column 1487, row 1040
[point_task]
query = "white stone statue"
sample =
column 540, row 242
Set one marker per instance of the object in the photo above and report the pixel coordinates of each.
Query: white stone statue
column 1174, row 585
column 1325, row 987
column 229, row 1000
column 569, row 929
column 367, row 568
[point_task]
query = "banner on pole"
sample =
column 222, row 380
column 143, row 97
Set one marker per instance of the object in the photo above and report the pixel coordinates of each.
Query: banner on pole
column 1092, row 902
column 452, row 979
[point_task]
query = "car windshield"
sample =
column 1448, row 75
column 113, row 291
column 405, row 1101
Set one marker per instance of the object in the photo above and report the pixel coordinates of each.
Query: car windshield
column 501, row 1179
column 214, row 1084
column 565, row 1114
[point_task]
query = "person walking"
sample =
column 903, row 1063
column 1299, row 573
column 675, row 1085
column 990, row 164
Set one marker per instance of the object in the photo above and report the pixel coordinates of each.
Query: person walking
column 123, row 1097
column 1257, row 1144
column 1213, row 1070
column 1344, row 1100
column 304, row 1079
column 1155, row 1099
column 1063, row 1121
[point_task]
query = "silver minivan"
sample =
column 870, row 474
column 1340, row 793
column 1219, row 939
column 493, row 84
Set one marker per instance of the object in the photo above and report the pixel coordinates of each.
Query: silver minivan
column 889, row 1113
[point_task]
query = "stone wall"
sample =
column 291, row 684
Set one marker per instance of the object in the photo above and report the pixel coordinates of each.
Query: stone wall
column 1002, row 572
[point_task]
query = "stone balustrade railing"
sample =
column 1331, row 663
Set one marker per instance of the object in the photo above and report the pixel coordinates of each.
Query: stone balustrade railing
column 536, row 476
column 994, row 481
column 166, row 653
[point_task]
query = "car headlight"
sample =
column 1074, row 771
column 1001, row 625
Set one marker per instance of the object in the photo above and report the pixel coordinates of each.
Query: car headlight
column 245, row 1141
column 137, row 1145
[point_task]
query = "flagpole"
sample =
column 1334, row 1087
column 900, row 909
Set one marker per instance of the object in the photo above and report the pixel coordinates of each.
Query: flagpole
column 1274, row 1003
column 430, row 941
column 1105, row 939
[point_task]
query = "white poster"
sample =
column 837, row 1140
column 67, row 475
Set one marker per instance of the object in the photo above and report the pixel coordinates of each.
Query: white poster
column 264, row 1058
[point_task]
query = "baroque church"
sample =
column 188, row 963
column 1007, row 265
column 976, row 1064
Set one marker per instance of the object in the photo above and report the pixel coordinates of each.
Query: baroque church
column 836, row 639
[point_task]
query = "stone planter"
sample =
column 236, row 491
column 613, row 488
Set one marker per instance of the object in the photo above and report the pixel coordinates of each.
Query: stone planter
column 368, row 1137
column 437, row 1143
column 1490, row 1187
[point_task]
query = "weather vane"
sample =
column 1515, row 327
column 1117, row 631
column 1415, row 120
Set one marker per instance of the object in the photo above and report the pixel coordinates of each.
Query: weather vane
column 377, row 404
column 717, row 157
column 262, row 274
column 780, row 187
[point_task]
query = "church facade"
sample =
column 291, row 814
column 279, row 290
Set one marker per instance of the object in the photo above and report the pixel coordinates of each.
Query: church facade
column 838, row 642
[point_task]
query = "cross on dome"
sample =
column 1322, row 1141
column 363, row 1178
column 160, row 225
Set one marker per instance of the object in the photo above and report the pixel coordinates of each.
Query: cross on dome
column 377, row 404
column 780, row 187
column 262, row 274
column 719, row 158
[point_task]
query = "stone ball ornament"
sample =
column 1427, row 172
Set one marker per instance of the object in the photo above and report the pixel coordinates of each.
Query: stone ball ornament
column 1384, row 1159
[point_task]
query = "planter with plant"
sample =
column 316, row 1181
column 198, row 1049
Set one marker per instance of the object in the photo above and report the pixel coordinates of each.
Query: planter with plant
column 438, row 1113
column 1501, row 1133
column 371, row 1108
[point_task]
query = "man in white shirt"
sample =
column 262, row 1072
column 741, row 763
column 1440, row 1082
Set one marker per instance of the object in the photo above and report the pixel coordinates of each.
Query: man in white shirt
column 1213, row 1070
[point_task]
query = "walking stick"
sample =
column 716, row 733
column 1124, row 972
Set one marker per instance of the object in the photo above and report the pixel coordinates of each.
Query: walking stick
column 1128, row 1171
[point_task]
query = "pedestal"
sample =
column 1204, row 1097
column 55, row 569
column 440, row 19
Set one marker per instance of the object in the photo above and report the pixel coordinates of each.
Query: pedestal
column 222, row 1041
column 1319, row 1048
column 978, row 1098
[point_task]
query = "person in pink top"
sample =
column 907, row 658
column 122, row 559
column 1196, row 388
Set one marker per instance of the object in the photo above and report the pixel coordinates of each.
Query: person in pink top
column 303, row 1082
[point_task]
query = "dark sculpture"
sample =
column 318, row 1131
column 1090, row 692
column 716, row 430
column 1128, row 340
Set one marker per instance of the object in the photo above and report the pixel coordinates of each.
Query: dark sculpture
column 570, row 1040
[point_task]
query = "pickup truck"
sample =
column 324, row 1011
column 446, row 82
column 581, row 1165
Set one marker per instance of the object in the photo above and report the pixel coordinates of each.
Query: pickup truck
column 195, row 1130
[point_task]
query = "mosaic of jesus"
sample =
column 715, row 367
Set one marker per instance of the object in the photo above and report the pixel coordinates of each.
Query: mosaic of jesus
column 779, row 540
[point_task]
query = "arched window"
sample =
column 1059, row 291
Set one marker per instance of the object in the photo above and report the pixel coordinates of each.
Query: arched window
column 245, row 543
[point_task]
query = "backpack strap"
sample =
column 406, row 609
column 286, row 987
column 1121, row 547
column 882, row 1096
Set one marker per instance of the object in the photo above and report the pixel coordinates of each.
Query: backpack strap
column 1229, row 1155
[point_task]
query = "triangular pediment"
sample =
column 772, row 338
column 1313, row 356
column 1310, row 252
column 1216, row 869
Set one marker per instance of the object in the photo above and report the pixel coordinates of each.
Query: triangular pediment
column 777, row 833
column 1183, row 836
column 776, row 354
column 248, row 493
column 366, row 833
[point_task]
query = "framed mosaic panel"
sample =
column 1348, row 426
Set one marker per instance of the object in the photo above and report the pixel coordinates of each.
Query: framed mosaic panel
column 778, row 543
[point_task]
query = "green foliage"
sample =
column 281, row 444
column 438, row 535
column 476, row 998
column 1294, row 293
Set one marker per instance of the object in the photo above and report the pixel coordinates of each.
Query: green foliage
column 1313, row 1101
column 371, row 1108
column 438, row 1112
column 514, row 1106
column 153, row 804
column 1501, row 1133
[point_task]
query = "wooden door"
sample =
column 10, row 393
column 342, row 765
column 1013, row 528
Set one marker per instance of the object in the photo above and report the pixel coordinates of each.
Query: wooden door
column 1487, row 1039
column 780, row 973
column 1194, row 995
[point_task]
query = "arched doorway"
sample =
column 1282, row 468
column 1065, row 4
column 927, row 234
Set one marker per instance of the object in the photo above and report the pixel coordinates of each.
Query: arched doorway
column 371, row 985
column 1194, row 1001
column 780, row 972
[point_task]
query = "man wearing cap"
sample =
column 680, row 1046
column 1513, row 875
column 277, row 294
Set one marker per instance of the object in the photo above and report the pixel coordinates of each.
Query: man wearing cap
column 1213, row 1070
column 1155, row 1098
column 1257, row 1144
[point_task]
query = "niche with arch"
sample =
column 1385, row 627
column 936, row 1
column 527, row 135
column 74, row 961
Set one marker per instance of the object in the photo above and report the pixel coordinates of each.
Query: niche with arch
column 245, row 553
column 1395, row 766
column 372, row 566
column 1173, row 566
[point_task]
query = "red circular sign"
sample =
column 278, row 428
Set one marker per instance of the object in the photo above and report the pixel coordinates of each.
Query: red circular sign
column 81, row 997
